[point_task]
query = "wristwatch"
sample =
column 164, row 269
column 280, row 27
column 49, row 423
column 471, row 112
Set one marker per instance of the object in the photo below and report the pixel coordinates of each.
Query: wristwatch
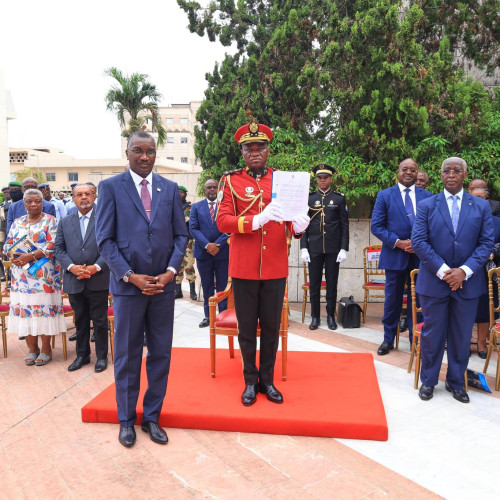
column 127, row 275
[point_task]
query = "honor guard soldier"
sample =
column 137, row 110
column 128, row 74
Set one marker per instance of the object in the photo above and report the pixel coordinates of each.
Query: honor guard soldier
column 258, row 258
column 325, row 243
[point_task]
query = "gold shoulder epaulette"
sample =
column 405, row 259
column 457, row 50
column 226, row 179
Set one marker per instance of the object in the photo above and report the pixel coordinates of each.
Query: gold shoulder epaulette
column 229, row 172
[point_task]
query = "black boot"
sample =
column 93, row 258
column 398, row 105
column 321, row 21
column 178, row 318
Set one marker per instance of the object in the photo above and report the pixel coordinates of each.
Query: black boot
column 314, row 323
column 178, row 291
column 192, row 291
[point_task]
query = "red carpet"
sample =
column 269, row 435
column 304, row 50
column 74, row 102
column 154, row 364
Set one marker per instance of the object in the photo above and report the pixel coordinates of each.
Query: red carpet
column 326, row 394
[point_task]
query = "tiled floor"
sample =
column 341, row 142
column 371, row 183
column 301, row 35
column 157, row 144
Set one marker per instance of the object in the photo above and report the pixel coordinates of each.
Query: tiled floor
column 435, row 448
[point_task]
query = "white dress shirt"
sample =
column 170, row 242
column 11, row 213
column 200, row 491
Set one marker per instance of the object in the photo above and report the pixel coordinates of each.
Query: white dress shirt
column 412, row 196
column 138, row 179
column 449, row 200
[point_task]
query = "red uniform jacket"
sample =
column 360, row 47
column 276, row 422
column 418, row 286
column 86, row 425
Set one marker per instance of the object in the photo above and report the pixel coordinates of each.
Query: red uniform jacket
column 253, row 255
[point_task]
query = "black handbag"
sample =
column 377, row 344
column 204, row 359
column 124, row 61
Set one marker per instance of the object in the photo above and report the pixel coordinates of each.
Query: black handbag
column 349, row 313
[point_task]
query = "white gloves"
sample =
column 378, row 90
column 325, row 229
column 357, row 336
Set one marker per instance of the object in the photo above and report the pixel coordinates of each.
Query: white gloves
column 304, row 255
column 342, row 256
column 300, row 223
column 271, row 212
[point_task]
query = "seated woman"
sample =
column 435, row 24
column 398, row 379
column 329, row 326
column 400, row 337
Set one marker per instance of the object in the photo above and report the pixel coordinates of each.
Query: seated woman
column 483, row 309
column 35, row 300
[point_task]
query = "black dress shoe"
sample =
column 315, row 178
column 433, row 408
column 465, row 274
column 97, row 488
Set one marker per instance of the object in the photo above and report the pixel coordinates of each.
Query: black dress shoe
column 403, row 325
column 178, row 291
column 127, row 436
column 425, row 392
column 384, row 348
column 249, row 395
column 482, row 354
column 156, row 433
column 271, row 393
column 204, row 323
column 331, row 323
column 314, row 324
column 101, row 365
column 92, row 339
column 458, row 394
column 78, row 363
column 72, row 338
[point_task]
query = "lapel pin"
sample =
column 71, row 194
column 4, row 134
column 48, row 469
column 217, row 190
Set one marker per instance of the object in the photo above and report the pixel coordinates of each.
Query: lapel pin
column 158, row 189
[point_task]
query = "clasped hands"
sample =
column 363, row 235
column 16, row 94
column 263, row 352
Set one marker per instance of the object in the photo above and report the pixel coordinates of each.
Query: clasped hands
column 405, row 245
column 454, row 277
column 22, row 259
column 212, row 248
column 151, row 285
column 82, row 271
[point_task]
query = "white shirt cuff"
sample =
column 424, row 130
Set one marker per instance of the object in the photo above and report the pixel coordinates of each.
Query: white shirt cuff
column 170, row 268
column 69, row 267
column 467, row 270
column 441, row 270
column 98, row 267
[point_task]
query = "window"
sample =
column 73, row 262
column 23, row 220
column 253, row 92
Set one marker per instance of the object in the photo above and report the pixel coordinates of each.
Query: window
column 170, row 121
column 184, row 140
column 184, row 159
column 72, row 176
column 170, row 158
column 170, row 140
column 50, row 177
column 184, row 121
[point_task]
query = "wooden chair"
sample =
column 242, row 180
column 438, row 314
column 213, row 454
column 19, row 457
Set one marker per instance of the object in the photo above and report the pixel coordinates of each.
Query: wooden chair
column 68, row 313
column 4, row 307
column 111, row 322
column 4, row 312
column 225, row 323
column 494, row 328
column 417, row 334
column 372, row 272
column 306, row 288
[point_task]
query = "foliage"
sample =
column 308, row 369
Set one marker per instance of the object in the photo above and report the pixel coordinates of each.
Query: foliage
column 25, row 172
column 359, row 84
column 139, row 98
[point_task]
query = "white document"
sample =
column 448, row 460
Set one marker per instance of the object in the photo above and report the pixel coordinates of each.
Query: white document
column 291, row 191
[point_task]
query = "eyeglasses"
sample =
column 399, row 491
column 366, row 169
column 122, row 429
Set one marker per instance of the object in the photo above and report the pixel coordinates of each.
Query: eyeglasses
column 456, row 171
column 139, row 151
column 412, row 170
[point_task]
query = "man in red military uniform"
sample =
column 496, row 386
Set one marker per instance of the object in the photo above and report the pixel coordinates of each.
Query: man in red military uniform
column 258, row 258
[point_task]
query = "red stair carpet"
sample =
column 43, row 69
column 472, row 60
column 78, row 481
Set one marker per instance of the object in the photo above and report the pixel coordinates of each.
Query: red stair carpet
column 326, row 394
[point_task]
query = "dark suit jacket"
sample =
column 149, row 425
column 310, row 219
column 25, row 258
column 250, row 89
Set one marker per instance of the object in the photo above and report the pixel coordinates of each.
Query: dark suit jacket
column 71, row 249
column 128, row 240
column 435, row 243
column 18, row 209
column 495, row 207
column 205, row 231
column 390, row 222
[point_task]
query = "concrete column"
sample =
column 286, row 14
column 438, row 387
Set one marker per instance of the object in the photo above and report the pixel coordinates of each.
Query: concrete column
column 6, row 113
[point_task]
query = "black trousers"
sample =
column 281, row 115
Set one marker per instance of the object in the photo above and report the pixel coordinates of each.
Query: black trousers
column 329, row 261
column 91, row 305
column 258, row 301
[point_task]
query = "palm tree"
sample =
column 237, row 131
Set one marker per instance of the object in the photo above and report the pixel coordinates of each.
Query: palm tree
column 132, row 95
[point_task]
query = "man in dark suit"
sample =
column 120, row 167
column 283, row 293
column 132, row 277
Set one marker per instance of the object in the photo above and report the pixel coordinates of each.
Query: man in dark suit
column 211, row 250
column 392, row 220
column 479, row 184
column 18, row 209
column 453, row 237
column 142, row 236
column 86, row 278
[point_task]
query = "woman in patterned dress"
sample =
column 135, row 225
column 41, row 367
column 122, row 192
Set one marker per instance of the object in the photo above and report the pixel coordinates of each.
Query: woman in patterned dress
column 35, row 301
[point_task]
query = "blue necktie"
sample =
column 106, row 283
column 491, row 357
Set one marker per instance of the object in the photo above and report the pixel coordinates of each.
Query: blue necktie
column 409, row 207
column 455, row 212
column 82, row 225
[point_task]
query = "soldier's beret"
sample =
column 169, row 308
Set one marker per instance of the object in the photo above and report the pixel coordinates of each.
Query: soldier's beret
column 253, row 132
column 15, row 184
column 182, row 188
column 323, row 169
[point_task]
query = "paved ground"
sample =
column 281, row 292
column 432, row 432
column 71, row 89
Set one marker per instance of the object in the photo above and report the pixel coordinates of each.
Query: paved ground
column 435, row 448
